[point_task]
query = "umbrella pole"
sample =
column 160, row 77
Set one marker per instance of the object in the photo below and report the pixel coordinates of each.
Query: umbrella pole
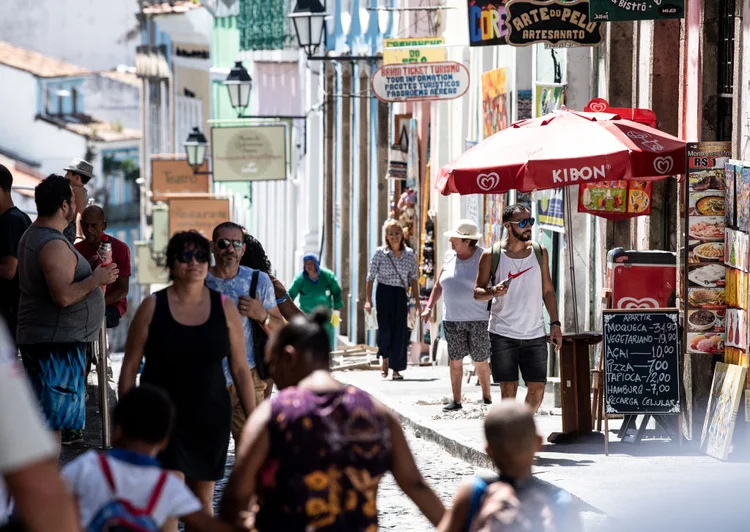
column 571, row 254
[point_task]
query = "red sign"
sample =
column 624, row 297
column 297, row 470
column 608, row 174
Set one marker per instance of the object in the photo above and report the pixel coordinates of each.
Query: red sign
column 643, row 116
column 615, row 200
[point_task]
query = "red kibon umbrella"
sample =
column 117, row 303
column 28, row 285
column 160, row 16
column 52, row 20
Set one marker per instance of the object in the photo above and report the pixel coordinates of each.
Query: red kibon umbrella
column 563, row 148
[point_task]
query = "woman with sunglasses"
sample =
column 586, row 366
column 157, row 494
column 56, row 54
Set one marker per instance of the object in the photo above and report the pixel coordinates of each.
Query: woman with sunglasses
column 519, row 286
column 185, row 332
column 315, row 454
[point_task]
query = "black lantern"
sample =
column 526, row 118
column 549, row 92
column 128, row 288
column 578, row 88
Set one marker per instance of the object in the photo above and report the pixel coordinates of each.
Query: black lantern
column 239, row 83
column 195, row 148
column 309, row 22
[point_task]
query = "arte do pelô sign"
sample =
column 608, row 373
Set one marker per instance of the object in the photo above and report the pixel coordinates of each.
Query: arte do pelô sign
column 525, row 22
column 554, row 22
column 613, row 10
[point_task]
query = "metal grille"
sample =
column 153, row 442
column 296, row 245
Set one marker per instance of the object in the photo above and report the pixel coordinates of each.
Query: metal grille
column 726, row 69
column 263, row 25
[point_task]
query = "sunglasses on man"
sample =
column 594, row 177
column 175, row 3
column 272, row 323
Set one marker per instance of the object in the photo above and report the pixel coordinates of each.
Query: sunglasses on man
column 187, row 256
column 526, row 222
column 224, row 243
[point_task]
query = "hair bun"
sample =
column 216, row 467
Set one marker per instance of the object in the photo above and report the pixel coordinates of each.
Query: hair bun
column 321, row 316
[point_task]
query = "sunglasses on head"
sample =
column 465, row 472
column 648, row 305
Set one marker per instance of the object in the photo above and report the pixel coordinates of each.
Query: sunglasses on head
column 188, row 255
column 526, row 222
column 224, row 243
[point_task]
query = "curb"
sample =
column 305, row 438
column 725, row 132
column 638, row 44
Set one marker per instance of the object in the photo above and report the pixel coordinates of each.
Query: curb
column 473, row 456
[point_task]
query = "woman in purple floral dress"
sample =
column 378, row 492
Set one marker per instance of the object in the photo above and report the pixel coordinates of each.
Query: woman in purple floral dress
column 315, row 454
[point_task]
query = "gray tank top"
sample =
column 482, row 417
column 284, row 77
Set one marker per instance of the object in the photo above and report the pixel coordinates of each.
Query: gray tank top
column 40, row 319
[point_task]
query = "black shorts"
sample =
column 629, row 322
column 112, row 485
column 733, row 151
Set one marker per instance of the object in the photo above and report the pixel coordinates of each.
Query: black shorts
column 509, row 354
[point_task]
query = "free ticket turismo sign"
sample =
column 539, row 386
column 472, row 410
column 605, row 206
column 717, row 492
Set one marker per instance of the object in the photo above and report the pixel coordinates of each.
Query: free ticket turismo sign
column 553, row 22
column 418, row 82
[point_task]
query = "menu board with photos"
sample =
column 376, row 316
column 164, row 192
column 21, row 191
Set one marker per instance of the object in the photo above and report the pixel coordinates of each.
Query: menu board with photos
column 705, row 233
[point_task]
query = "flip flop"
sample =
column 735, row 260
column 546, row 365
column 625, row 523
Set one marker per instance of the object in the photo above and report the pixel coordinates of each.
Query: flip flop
column 398, row 377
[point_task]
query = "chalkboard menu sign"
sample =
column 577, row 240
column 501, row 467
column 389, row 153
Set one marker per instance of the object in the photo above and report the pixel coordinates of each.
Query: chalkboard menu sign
column 641, row 362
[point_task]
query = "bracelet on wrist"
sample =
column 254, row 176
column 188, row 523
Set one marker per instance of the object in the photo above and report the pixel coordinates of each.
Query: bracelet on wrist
column 553, row 323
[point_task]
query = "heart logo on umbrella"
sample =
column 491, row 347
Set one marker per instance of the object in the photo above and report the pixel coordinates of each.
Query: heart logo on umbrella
column 488, row 181
column 598, row 107
column 663, row 165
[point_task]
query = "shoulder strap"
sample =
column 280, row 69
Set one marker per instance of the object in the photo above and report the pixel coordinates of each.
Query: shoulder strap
column 254, row 284
column 104, row 465
column 156, row 494
column 477, row 494
column 496, row 251
column 537, row 247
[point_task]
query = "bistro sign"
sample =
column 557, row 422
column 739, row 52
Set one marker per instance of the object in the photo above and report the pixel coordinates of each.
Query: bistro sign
column 611, row 10
column 418, row 82
column 553, row 22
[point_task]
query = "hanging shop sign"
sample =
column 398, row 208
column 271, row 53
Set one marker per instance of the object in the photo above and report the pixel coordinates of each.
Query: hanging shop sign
column 615, row 200
column 487, row 22
column 428, row 81
column 612, row 10
column 495, row 104
column 705, row 272
column 175, row 176
column 397, row 51
column 549, row 208
column 197, row 214
column 643, row 116
column 250, row 153
column 554, row 22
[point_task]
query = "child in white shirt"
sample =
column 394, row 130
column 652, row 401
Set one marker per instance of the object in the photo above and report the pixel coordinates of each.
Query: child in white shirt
column 127, row 484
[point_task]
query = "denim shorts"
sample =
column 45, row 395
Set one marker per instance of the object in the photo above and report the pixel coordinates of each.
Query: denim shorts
column 509, row 354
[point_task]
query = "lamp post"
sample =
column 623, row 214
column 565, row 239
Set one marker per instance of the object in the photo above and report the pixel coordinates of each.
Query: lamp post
column 196, row 146
column 309, row 18
column 239, row 84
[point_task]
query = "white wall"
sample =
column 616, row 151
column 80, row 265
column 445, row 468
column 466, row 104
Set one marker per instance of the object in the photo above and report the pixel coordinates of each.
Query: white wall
column 113, row 101
column 30, row 139
column 96, row 34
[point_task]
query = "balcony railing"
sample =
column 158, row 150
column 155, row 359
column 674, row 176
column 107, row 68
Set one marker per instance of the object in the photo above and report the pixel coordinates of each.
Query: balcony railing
column 263, row 25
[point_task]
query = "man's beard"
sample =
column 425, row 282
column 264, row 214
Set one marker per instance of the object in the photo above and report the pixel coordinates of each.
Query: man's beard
column 227, row 261
column 520, row 236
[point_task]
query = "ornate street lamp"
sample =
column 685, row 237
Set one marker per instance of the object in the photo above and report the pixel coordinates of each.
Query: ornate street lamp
column 239, row 84
column 195, row 149
column 309, row 22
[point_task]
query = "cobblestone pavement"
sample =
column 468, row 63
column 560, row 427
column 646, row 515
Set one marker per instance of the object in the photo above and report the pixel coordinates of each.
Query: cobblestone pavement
column 443, row 472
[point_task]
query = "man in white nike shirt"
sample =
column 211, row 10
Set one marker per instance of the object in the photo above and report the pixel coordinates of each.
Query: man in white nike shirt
column 521, row 284
column 28, row 454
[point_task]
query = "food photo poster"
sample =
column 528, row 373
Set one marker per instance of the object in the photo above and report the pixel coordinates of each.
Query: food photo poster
column 708, row 249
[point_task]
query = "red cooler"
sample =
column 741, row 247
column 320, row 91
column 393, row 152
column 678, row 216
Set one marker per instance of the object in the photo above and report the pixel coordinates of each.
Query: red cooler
column 642, row 279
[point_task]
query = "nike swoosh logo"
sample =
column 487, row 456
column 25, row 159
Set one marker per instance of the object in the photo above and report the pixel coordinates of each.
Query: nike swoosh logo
column 519, row 274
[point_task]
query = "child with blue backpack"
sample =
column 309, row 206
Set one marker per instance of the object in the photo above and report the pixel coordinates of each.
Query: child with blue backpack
column 513, row 500
column 125, row 489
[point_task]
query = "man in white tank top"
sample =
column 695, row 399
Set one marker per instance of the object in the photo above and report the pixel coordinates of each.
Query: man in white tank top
column 517, row 288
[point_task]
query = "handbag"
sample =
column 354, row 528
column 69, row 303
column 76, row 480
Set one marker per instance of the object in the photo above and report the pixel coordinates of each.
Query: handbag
column 411, row 315
column 260, row 338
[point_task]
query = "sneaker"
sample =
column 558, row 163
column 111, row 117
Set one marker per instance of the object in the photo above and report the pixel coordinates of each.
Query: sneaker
column 487, row 401
column 71, row 436
column 453, row 405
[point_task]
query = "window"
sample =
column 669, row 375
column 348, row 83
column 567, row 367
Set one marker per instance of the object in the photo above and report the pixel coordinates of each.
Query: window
column 726, row 70
column 264, row 25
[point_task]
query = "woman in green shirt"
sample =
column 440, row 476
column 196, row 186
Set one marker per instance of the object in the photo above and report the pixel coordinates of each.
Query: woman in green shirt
column 317, row 287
